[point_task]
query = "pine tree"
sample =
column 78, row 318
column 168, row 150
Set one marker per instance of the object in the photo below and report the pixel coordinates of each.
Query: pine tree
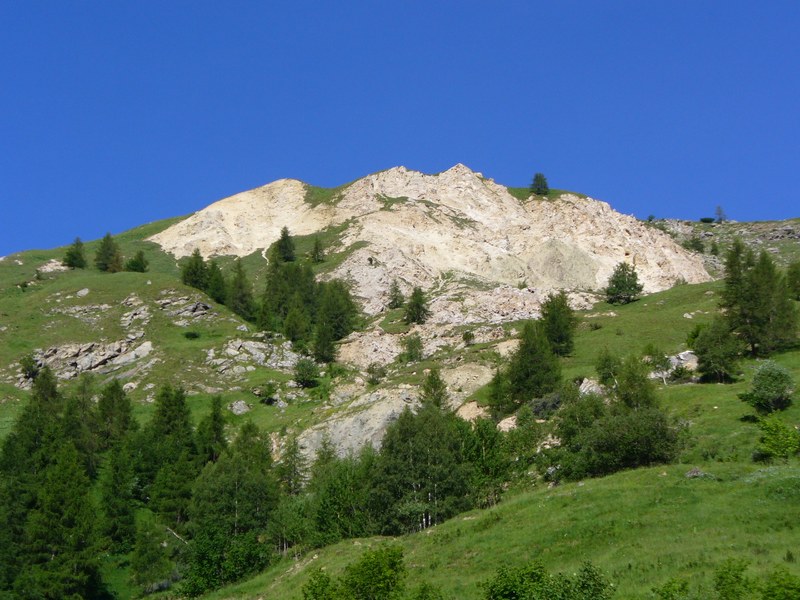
column 417, row 310
column 396, row 299
column 793, row 279
column 317, row 253
column 117, row 523
column 60, row 544
column 193, row 271
column 75, row 257
column 337, row 308
column 559, row 322
column 324, row 346
column 717, row 351
column 211, row 440
column 539, row 185
column 240, row 293
column 296, row 324
column 216, row 287
column 108, row 257
column 623, row 286
column 434, row 389
column 533, row 370
column 285, row 248
column 115, row 414
column 151, row 567
column 291, row 470
column 137, row 264
column 759, row 308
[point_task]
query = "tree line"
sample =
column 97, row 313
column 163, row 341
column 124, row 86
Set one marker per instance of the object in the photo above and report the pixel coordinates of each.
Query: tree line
column 108, row 257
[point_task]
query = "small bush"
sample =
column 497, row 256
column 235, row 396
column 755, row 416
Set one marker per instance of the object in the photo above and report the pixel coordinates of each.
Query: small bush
column 375, row 373
column 412, row 348
column 707, row 219
column 30, row 367
column 306, row 373
column 468, row 338
column 772, row 389
column 191, row 335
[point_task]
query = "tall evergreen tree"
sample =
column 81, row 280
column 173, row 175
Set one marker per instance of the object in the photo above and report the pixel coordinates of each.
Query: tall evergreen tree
column 60, row 544
column 324, row 347
column 396, row 299
column 151, row 567
column 115, row 414
column 434, row 389
column 793, row 279
column 75, row 258
column 417, row 310
column 211, row 440
column 533, row 370
column 291, row 470
column 240, row 293
column 193, row 271
column 108, row 257
column 559, row 322
column 216, row 286
column 285, row 246
column 539, row 185
column 337, row 308
column 117, row 502
column 317, row 252
column 717, row 351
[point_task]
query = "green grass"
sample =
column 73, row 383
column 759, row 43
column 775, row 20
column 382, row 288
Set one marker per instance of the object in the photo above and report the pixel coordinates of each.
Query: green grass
column 523, row 193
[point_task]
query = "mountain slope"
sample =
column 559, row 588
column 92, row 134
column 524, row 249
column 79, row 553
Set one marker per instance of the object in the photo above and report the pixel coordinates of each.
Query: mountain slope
column 457, row 225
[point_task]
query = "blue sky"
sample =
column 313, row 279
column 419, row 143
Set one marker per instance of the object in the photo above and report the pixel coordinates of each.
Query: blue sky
column 114, row 114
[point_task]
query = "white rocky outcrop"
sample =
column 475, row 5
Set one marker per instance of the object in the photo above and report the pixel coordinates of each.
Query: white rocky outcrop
column 447, row 232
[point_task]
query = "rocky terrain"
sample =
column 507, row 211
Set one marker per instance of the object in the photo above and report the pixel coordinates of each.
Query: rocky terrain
column 448, row 232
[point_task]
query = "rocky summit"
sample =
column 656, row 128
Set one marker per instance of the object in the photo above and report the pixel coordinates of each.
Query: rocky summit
column 446, row 232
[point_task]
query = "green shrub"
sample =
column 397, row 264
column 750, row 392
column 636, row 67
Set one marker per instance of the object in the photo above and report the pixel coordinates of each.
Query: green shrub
column 306, row 373
column 412, row 348
column 772, row 389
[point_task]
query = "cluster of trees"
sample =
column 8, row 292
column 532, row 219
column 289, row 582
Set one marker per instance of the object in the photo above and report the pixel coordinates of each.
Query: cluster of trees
column 758, row 317
column 313, row 315
column 81, row 478
column 533, row 370
column 602, row 435
column 107, row 258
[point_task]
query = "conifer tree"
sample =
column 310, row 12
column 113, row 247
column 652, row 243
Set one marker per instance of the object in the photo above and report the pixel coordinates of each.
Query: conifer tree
column 240, row 293
column 211, row 433
column 539, row 185
column 291, row 470
column 324, row 346
column 75, row 257
column 317, row 253
column 434, row 389
column 396, row 299
column 216, row 287
column 117, row 503
column 296, row 323
column 623, row 285
column 115, row 414
column 285, row 246
column 137, row 264
column 337, row 308
column 533, row 370
column 793, row 279
column 151, row 567
column 60, row 544
column 717, row 351
column 417, row 310
column 108, row 257
column 559, row 322
column 193, row 271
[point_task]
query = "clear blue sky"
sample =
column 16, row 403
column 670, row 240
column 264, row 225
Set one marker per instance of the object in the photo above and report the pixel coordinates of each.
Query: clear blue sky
column 113, row 114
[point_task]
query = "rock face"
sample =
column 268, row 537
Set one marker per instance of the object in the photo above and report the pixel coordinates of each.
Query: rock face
column 446, row 232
